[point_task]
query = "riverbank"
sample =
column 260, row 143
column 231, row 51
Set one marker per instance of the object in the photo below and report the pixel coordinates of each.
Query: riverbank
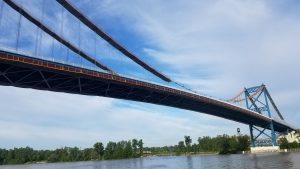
column 162, row 155
column 274, row 160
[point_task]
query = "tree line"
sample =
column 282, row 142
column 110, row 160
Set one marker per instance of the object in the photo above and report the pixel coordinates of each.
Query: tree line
column 222, row 144
column 113, row 150
column 284, row 144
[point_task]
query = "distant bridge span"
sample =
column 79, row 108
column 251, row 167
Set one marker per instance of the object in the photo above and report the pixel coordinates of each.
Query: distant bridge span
column 24, row 71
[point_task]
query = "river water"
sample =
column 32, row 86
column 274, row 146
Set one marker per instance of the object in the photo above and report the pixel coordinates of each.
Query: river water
column 237, row 161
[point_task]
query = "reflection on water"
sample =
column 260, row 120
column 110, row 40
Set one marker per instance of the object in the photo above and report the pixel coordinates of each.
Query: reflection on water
column 189, row 161
column 238, row 161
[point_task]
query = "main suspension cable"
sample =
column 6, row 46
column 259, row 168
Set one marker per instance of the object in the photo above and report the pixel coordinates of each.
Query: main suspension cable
column 73, row 10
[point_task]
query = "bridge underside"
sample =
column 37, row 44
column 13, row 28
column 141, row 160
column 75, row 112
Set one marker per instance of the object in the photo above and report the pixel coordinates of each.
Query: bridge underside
column 26, row 72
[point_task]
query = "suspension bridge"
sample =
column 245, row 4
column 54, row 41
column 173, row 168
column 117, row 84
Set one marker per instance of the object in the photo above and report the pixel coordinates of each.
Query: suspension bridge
column 78, row 71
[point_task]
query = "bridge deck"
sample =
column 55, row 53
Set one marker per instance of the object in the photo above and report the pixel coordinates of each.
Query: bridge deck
column 27, row 72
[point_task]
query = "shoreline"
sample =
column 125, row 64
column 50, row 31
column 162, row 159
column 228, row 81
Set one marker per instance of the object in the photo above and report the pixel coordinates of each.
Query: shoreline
column 156, row 155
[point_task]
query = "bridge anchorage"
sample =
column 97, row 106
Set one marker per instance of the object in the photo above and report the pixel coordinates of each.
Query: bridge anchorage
column 258, row 99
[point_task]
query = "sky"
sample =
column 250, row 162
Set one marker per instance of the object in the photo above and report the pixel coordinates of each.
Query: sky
column 214, row 47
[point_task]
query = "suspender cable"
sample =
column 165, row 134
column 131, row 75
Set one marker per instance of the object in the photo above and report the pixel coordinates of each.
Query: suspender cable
column 52, row 49
column 61, row 29
column 40, row 31
column 18, row 31
column 67, row 55
column 79, row 39
column 38, row 23
column 73, row 10
column 79, row 34
column 62, row 22
column 36, row 41
column 1, row 11
column 95, row 46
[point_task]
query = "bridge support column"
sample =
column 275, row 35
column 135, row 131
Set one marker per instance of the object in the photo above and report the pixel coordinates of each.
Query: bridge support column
column 273, row 135
column 257, row 100
column 251, row 136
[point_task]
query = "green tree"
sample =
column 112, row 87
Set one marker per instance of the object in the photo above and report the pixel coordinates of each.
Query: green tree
column 180, row 147
column 128, row 152
column 89, row 154
column 53, row 158
column 284, row 144
column 99, row 149
column 135, row 147
column 297, row 133
column 188, row 142
column 207, row 144
column 3, row 154
column 109, row 150
column 140, row 147
column 243, row 143
column 224, row 145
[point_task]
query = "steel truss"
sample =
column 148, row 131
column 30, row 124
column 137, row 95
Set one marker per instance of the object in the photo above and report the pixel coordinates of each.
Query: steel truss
column 260, row 104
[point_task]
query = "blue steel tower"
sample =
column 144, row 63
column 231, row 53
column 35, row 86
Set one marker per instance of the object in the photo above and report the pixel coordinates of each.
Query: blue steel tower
column 258, row 99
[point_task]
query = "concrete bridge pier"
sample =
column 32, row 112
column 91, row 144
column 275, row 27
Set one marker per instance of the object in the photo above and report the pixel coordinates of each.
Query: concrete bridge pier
column 265, row 149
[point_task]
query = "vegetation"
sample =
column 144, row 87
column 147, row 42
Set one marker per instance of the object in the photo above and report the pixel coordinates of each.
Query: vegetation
column 297, row 133
column 284, row 144
column 113, row 150
column 222, row 144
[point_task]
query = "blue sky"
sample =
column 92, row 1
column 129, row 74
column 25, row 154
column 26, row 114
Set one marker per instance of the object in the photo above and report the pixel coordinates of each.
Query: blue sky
column 215, row 47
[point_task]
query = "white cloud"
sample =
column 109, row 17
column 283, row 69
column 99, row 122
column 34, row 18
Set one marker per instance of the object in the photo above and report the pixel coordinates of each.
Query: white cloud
column 50, row 119
column 219, row 47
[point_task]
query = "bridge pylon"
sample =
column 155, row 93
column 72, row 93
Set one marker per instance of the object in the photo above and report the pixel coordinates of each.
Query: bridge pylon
column 258, row 99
